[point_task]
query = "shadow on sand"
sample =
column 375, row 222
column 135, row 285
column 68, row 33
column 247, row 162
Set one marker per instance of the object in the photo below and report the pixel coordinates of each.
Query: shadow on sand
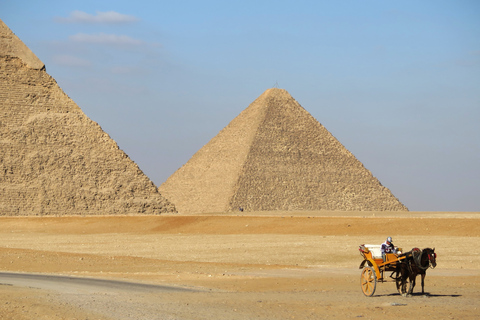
column 418, row 294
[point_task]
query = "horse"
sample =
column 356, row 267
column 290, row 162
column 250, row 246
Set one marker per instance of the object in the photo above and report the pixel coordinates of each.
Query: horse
column 417, row 262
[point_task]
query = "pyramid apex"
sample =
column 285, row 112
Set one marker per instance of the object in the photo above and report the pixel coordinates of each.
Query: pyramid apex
column 11, row 45
column 276, row 91
column 276, row 94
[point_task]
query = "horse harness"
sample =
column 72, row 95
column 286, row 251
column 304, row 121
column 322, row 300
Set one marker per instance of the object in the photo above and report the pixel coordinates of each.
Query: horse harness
column 416, row 255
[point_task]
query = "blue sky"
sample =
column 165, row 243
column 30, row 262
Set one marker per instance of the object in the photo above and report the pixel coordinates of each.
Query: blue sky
column 396, row 82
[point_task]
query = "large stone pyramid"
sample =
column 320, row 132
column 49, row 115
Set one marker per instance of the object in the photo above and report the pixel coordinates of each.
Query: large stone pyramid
column 54, row 160
column 275, row 156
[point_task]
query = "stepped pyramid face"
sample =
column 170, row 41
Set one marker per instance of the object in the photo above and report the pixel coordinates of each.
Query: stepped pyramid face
column 54, row 160
column 275, row 156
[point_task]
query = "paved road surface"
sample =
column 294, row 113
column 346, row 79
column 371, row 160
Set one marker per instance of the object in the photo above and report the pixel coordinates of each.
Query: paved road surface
column 68, row 284
column 111, row 299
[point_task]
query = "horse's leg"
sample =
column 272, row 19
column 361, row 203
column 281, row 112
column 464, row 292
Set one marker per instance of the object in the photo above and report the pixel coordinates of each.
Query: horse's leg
column 409, row 279
column 404, row 287
column 404, row 284
column 412, row 284
column 423, row 282
column 404, row 276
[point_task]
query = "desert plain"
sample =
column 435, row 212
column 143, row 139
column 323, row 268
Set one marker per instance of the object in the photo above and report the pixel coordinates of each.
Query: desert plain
column 255, row 265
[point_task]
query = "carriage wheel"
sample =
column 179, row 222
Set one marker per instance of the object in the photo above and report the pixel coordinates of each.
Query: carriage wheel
column 368, row 281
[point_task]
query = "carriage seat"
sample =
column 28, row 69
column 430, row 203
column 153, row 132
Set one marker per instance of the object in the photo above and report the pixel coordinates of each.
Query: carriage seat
column 375, row 249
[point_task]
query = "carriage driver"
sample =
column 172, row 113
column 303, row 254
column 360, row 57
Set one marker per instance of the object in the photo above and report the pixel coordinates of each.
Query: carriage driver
column 388, row 247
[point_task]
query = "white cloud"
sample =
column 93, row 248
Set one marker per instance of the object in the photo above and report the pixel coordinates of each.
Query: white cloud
column 105, row 39
column 71, row 61
column 109, row 17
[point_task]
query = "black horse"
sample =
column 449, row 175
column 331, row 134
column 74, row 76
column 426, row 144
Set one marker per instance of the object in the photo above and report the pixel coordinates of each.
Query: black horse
column 417, row 262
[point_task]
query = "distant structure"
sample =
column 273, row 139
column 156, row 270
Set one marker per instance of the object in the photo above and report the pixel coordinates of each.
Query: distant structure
column 275, row 156
column 54, row 160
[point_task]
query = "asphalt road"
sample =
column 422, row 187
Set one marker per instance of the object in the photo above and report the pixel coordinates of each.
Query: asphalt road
column 108, row 299
column 68, row 284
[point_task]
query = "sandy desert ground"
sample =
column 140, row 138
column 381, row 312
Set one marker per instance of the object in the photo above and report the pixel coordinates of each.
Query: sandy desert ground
column 275, row 265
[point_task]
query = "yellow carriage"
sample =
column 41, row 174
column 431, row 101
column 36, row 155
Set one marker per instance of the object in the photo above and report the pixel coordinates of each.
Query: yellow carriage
column 375, row 268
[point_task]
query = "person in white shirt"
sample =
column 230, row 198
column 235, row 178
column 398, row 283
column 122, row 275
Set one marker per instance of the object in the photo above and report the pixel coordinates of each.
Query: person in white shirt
column 387, row 247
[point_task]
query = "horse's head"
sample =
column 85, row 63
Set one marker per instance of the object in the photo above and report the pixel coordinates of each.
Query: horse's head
column 431, row 256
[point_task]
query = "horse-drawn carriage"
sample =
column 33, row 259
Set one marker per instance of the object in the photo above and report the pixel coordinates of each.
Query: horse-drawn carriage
column 403, row 267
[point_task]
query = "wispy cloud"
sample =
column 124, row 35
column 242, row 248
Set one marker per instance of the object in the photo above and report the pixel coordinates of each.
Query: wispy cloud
column 109, row 17
column 106, row 39
column 71, row 61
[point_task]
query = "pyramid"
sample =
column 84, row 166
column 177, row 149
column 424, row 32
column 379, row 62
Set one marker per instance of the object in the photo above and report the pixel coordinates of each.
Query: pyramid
column 275, row 156
column 54, row 160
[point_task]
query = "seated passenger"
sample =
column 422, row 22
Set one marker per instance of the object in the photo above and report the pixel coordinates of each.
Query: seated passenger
column 387, row 247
